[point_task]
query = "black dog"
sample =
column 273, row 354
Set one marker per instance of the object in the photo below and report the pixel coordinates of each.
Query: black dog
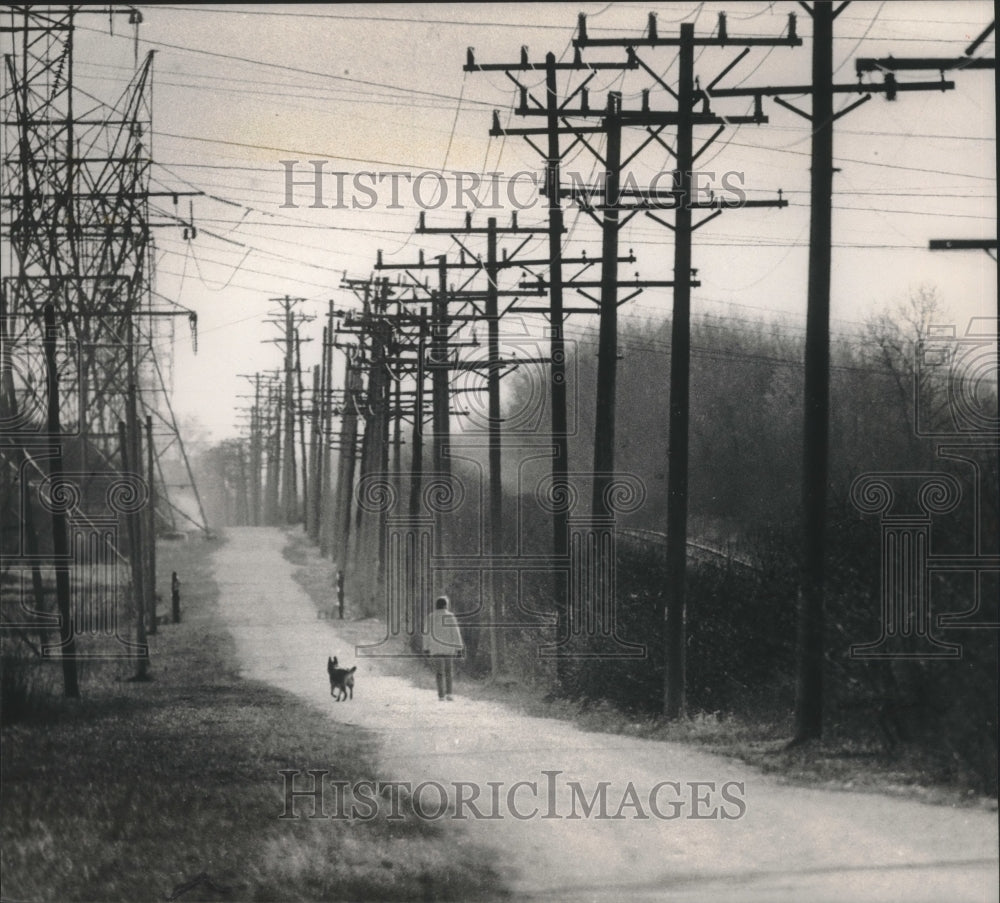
column 341, row 680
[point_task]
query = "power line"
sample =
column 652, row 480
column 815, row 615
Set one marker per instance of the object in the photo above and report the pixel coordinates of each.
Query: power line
column 414, row 21
column 286, row 68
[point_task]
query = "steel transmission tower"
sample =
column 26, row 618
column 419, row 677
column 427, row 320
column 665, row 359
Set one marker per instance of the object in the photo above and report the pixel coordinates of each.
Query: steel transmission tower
column 77, row 233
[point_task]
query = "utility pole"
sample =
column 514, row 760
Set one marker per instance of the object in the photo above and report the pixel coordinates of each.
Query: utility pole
column 272, row 425
column 494, row 366
column 815, row 466
column 256, row 450
column 288, row 490
column 417, row 451
column 496, row 605
column 810, row 634
column 347, row 457
column 481, row 305
column 151, row 521
column 374, row 333
column 287, row 320
column 675, row 675
column 556, row 313
column 60, row 535
column 607, row 342
column 314, row 497
column 557, row 351
column 681, row 199
column 437, row 362
column 810, row 643
column 132, row 529
column 302, row 429
column 325, row 505
column 440, row 376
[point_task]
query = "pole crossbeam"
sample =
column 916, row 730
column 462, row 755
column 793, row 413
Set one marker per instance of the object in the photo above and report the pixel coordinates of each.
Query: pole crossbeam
column 652, row 37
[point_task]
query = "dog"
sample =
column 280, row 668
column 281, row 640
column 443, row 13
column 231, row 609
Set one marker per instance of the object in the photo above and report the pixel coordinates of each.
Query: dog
column 341, row 680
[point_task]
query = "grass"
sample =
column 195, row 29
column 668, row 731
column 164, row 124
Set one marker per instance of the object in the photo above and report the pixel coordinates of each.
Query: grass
column 137, row 789
column 840, row 761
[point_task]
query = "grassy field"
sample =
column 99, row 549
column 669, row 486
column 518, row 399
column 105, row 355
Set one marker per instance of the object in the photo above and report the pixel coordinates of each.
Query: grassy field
column 837, row 762
column 137, row 789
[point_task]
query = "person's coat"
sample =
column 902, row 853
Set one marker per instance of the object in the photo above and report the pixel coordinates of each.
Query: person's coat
column 443, row 636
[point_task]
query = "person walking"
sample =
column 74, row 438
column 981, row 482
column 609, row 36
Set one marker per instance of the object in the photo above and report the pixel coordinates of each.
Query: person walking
column 443, row 642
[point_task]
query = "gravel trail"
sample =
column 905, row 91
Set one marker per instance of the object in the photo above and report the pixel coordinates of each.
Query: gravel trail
column 788, row 843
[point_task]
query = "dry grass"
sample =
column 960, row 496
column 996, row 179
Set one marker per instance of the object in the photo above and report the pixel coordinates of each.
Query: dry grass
column 139, row 788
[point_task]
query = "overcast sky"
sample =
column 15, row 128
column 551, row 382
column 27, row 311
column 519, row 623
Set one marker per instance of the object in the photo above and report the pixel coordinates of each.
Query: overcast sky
column 381, row 88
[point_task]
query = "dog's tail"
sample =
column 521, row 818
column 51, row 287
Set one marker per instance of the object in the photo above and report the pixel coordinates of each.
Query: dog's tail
column 352, row 670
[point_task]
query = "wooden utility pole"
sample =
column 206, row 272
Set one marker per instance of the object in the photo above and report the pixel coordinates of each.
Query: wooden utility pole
column 256, row 450
column 607, row 342
column 494, row 366
column 810, row 633
column 300, row 397
column 493, row 418
column 272, row 424
column 313, row 498
column 440, row 372
column 288, row 489
column 325, row 506
column 552, row 109
column 257, row 456
column 60, row 534
column 417, row 439
column 810, row 643
column 557, row 351
column 151, row 522
column 286, row 320
column 675, row 674
column 347, row 458
column 134, row 539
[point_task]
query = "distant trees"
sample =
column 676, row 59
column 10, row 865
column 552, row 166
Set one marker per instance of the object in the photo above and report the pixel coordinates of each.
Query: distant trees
column 897, row 386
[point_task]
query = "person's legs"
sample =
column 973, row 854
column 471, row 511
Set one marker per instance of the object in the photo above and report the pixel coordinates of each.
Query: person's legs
column 442, row 661
column 448, row 670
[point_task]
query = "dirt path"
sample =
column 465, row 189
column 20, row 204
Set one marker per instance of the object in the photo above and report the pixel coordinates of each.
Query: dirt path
column 792, row 844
